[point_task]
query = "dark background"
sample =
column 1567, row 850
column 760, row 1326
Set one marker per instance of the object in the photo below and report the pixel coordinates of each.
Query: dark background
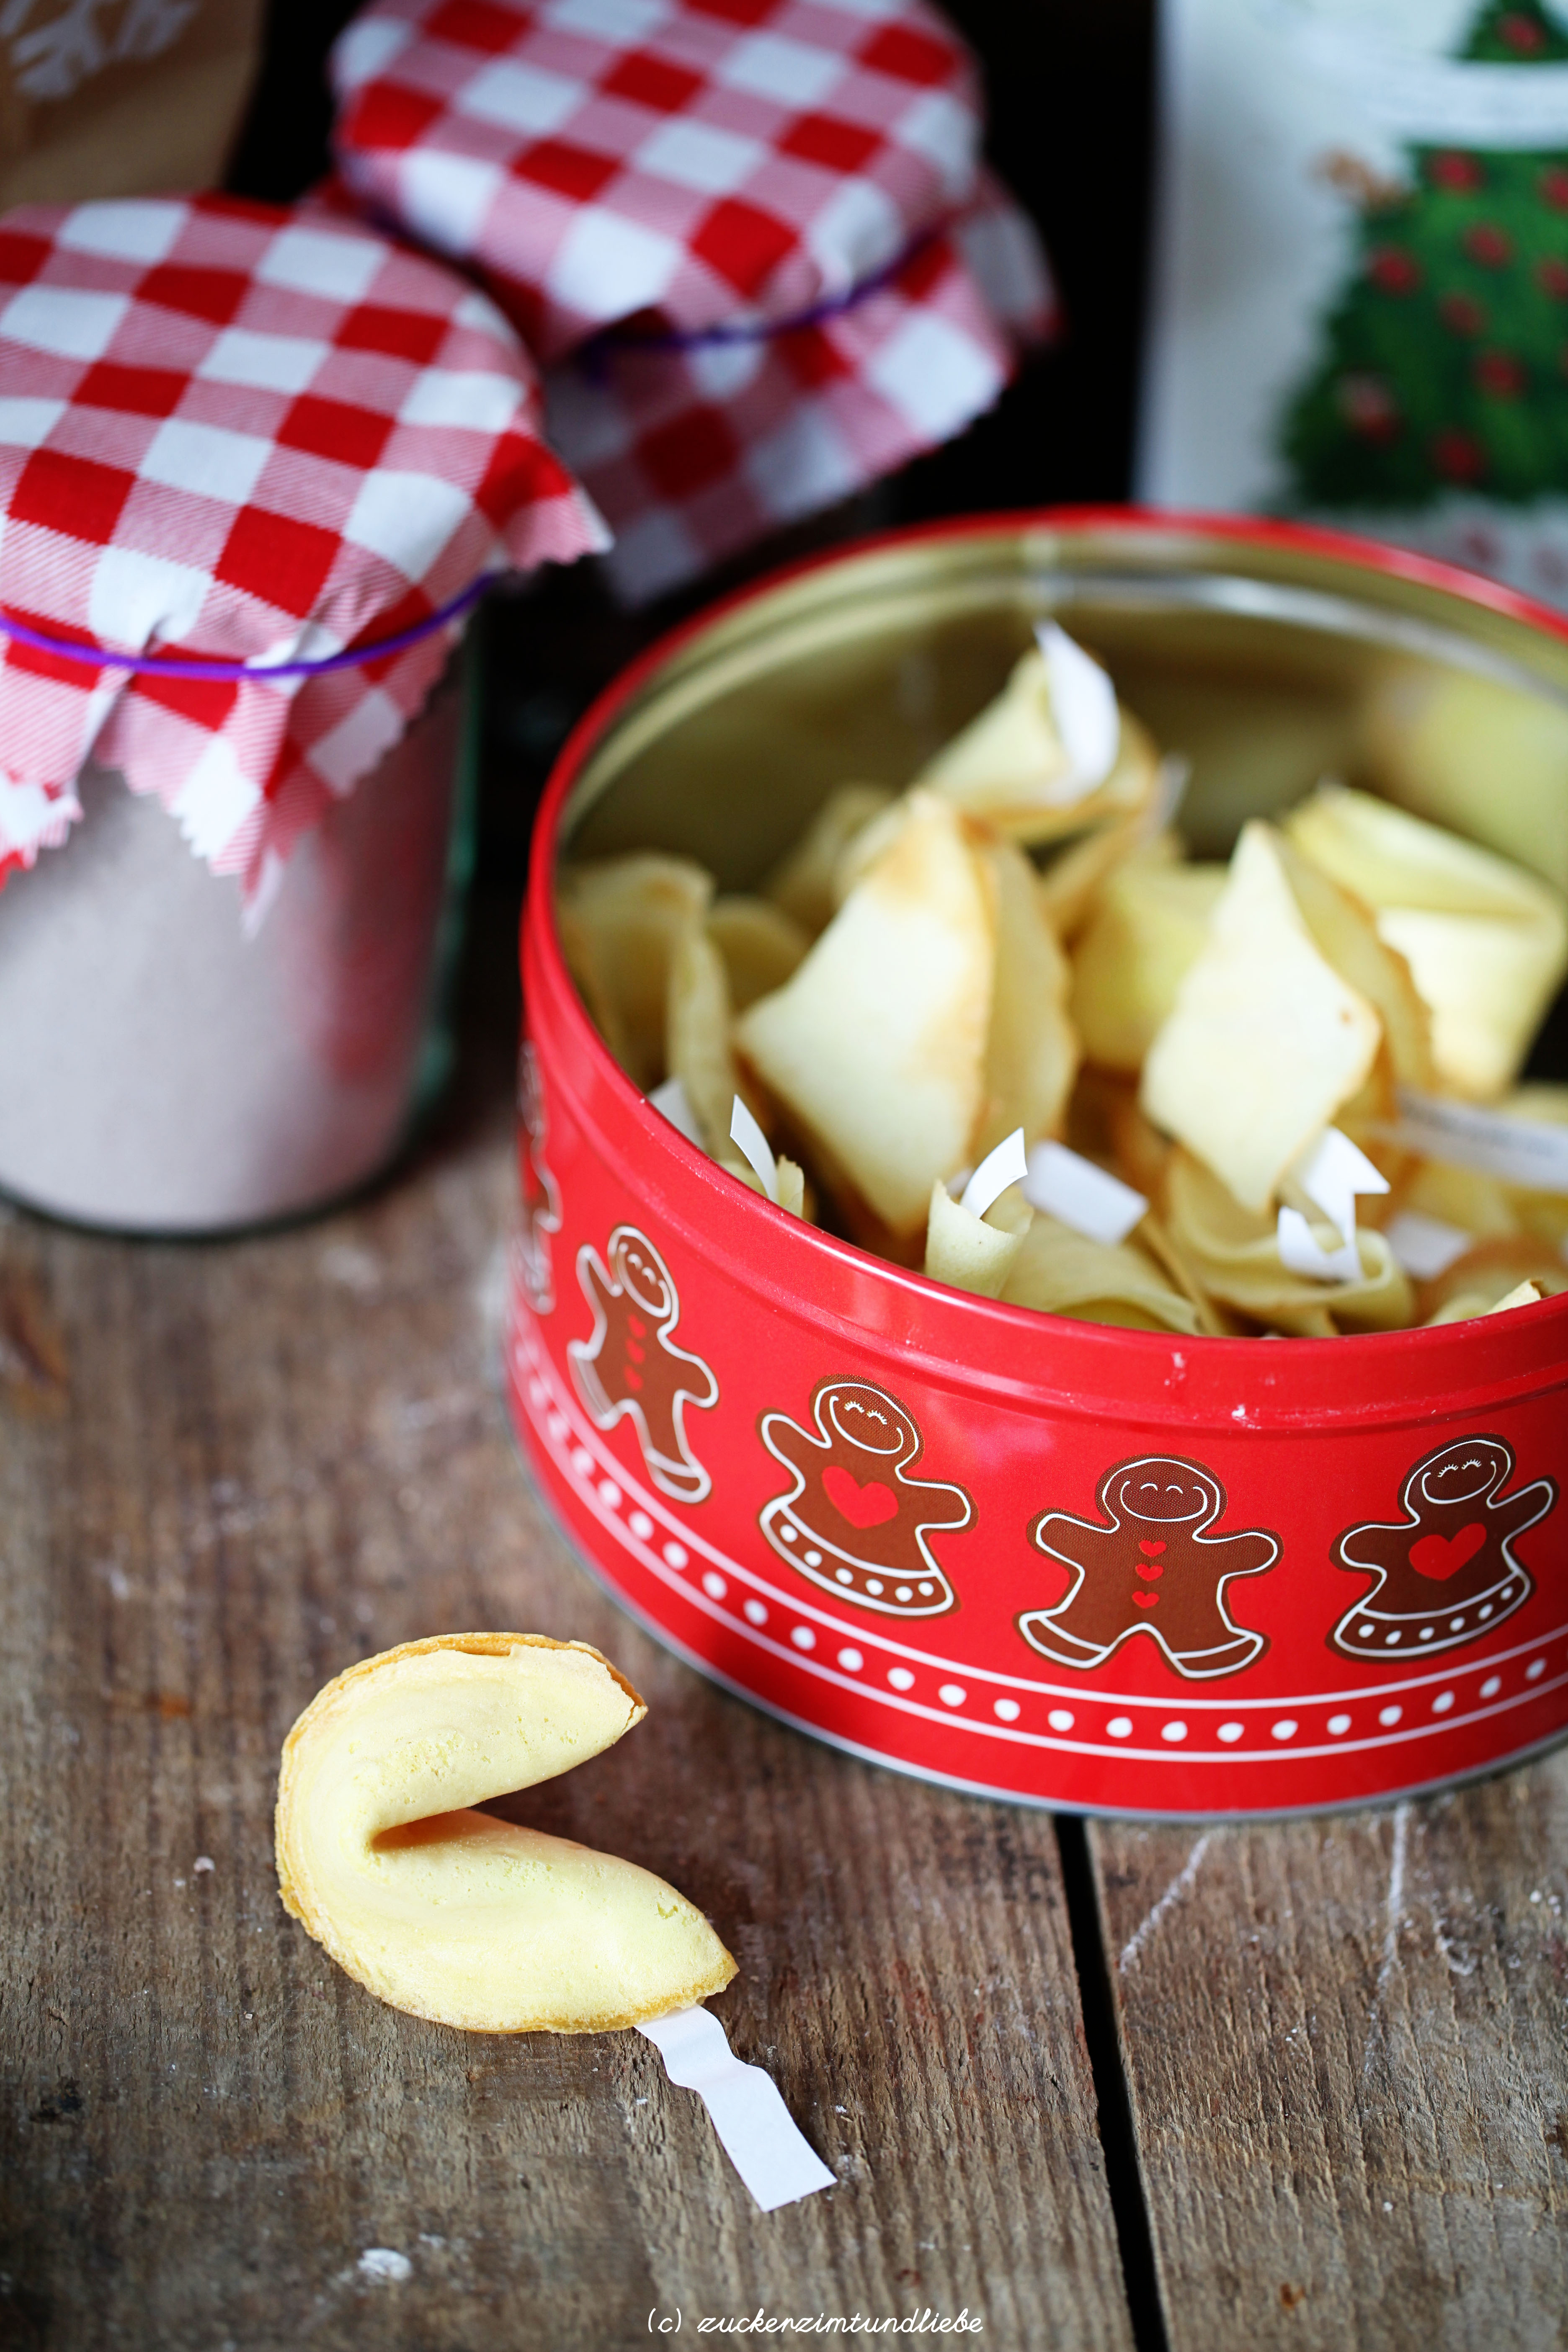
column 1070, row 92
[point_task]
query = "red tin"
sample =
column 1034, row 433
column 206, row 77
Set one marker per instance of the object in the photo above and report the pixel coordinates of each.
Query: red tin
column 928, row 1527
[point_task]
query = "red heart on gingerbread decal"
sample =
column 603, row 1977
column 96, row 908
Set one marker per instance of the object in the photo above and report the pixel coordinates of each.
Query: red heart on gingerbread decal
column 1441, row 1557
column 863, row 1507
column 1145, row 1600
column 1150, row 1550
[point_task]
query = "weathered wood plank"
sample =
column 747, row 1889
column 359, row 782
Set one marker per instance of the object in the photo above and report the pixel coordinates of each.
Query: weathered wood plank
column 1347, row 2067
column 226, row 1473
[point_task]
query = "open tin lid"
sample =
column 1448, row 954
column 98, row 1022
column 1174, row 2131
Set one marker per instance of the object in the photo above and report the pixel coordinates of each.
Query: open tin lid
column 256, row 464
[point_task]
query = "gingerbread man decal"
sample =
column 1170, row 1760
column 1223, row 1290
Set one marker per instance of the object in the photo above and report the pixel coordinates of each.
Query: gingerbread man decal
column 854, row 1521
column 1153, row 1569
column 541, row 1196
column 630, row 1366
column 1445, row 1571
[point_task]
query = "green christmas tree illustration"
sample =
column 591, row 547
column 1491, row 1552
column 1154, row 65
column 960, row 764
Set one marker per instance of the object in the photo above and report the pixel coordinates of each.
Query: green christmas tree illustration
column 1447, row 355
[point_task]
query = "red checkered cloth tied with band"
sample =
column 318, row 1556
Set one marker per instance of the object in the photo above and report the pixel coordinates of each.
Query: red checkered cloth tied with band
column 751, row 241
column 243, row 435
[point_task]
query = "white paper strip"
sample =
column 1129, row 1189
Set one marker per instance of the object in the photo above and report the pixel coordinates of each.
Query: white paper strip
column 1516, row 1150
column 754, row 2127
column 1332, row 1175
column 1008, row 1164
column 1426, row 1246
column 744, row 1130
column 672, row 1101
column 1079, row 1195
column 1083, row 708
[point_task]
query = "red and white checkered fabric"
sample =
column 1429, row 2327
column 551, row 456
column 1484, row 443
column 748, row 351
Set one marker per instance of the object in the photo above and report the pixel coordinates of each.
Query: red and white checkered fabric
column 617, row 168
column 236, row 433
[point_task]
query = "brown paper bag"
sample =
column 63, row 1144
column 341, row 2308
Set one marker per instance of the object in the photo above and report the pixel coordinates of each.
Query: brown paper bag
column 120, row 97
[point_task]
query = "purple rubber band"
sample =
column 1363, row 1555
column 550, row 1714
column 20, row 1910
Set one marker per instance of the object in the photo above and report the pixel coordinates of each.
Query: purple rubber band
column 174, row 666
column 593, row 353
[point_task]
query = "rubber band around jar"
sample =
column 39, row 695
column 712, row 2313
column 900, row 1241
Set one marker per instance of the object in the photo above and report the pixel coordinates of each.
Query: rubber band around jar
column 72, row 650
column 594, row 355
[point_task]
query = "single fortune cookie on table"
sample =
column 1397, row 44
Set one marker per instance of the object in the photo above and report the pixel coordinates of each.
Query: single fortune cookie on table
column 447, row 1912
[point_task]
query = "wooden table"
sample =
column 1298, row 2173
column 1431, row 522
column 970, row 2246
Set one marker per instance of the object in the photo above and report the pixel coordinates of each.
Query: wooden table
column 1301, row 2084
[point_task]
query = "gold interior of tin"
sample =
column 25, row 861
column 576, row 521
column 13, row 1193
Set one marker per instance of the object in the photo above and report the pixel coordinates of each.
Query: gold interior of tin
column 1257, row 662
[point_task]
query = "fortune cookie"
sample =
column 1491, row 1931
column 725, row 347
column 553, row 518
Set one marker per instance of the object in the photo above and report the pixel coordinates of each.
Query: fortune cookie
column 1145, row 934
column 876, row 1044
column 1469, row 753
column 1266, row 1039
column 621, row 920
column 1485, row 943
column 802, row 884
column 1052, row 753
column 449, row 1913
column 974, row 1254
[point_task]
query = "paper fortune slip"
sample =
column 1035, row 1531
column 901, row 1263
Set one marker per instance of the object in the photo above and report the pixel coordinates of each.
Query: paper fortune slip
column 1007, row 1164
column 1516, row 1150
column 1083, row 707
column 672, row 1101
column 1330, row 1176
column 745, row 1133
column 755, row 2128
column 1426, row 1246
column 1077, row 1193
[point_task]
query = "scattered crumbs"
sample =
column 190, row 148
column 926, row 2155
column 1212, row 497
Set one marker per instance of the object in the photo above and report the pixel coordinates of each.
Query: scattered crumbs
column 179, row 1882
column 1536, row 1895
column 426, row 2239
column 202, row 1862
column 841, row 2111
column 1387, row 2205
column 355, row 1268
column 1239, row 1412
column 639, row 2102
column 386, row 2263
column 119, row 1583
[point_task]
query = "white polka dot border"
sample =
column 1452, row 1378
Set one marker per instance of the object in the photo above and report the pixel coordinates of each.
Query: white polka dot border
column 1446, row 1706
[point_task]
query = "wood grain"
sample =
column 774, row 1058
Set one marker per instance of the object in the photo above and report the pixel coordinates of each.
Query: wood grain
column 228, row 1471
column 1348, row 2072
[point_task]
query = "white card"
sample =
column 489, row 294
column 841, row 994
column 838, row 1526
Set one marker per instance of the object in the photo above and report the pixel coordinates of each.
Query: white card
column 755, row 2128
column 1078, row 1193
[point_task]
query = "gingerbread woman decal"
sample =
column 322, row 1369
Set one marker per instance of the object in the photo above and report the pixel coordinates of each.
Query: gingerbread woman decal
column 630, row 1368
column 1445, row 1571
column 541, row 1196
column 1153, row 1569
column 854, row 1521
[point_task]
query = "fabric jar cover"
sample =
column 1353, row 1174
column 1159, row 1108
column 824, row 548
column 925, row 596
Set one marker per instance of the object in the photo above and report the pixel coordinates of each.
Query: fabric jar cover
column 239, row 433
column 751, row 241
